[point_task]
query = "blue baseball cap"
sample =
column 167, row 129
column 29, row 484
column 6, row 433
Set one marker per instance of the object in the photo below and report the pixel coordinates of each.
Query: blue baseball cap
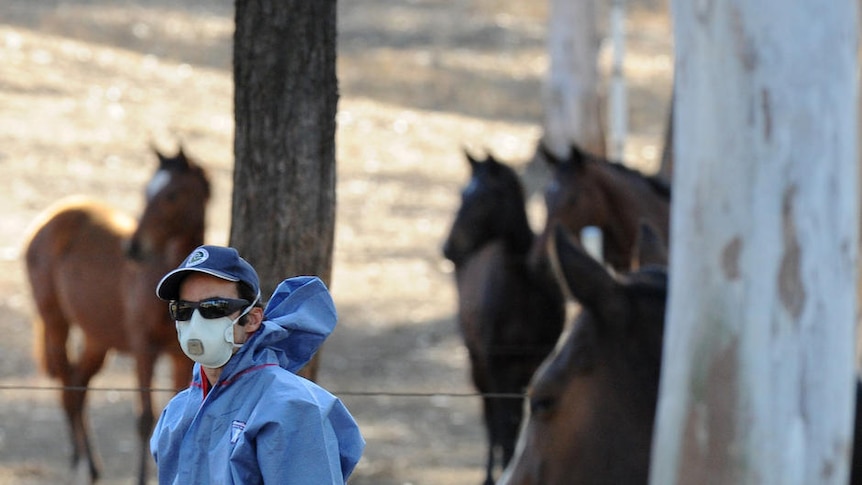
column 219, row 261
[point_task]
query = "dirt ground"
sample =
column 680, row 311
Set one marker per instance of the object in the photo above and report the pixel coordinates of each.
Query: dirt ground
column 87, row 85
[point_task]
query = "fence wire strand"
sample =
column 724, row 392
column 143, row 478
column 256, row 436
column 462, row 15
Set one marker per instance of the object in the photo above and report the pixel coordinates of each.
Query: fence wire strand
column 404, row 394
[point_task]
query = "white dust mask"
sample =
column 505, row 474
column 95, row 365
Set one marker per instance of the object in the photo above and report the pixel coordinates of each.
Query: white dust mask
column 209, row 341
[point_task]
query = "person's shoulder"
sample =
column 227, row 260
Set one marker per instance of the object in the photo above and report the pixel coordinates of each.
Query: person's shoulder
column 279, row 376
column 287, row 385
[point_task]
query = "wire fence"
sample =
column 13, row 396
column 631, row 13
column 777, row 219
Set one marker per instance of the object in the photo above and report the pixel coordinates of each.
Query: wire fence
column 399, row 394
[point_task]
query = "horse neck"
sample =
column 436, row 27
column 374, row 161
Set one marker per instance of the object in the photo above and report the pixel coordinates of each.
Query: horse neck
column 169, row 251
column 177, row 248
column 519, row 235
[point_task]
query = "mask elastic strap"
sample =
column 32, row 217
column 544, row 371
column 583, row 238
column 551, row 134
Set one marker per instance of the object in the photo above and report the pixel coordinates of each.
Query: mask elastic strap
column 244, row 313
column 247, row 309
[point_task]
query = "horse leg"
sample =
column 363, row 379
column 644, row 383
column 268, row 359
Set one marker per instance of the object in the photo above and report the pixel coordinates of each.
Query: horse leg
column 145, row 364
column 74, row 399
column 74, row 377
column 182, row 370
column 479, row 374
column 489, row 413
column 506, row 412
column 511, row 416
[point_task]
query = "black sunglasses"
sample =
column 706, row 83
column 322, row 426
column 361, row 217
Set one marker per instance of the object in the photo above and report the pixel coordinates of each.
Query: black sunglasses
column 182, row 310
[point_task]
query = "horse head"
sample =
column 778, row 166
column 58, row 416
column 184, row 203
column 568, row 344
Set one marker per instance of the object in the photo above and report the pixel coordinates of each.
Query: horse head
column 592, row 402
column 172, row 223
column 492, row 208
column 573, row 197
column 587, row 190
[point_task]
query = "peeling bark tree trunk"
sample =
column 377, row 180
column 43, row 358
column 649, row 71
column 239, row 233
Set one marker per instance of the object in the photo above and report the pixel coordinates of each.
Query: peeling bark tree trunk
column 571, row 94
column 758, row 376
column 286, row 95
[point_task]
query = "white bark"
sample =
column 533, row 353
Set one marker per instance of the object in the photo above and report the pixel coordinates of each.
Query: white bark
column 618, row 102
column 757, row 383
column 571, row 92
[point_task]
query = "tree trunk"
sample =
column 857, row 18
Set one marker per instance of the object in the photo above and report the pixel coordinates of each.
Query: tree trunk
column 286, row 96
column 572, row 103
column 758, row 375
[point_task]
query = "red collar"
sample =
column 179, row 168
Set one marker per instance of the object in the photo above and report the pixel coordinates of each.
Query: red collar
column 205, row 384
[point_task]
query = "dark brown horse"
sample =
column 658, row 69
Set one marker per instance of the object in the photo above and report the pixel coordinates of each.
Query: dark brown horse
column 510, row 318
column 592, row 403
column 586, row 190
column 91, row 266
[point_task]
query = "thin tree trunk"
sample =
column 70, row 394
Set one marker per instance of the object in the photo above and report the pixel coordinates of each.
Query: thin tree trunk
column 571, row 95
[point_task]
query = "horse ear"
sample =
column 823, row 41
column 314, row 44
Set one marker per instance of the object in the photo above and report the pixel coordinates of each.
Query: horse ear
column 158, row 154
column 494, row 163
column 550, row 157
column 649, row 248
column 177, row 162
column 181, row 158
column 576, row 155
column 470, row 158
column 586, row 280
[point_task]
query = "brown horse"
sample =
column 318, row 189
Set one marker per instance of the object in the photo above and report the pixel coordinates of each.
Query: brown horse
column 592, row 403
column 587, row 190
column 90, row 266
column 510, row 318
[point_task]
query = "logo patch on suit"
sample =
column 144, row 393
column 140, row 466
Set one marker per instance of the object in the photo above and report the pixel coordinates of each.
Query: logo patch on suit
column 236, row 429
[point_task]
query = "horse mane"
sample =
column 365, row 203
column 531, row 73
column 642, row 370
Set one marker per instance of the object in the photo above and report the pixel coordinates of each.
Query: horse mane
column 578, row 156
column 659, row 185
column 198, row 169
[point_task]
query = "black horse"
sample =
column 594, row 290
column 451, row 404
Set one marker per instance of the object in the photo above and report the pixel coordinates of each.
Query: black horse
column 510, row 317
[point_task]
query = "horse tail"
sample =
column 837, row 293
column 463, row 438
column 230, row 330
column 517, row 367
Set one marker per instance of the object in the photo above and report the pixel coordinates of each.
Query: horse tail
column 52, row 358
column 39, row 348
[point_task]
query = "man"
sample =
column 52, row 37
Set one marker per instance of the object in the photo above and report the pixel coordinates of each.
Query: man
column 247, row 417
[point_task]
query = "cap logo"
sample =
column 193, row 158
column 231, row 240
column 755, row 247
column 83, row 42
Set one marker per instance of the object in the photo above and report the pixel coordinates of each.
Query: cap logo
column 197, row 257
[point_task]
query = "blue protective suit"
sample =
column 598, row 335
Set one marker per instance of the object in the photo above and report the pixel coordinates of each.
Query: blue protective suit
column 262, row 423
